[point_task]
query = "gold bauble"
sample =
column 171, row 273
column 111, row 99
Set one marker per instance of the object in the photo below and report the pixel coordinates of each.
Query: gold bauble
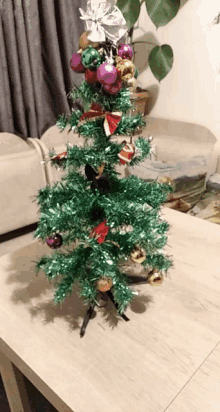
column 127, row 69
column 155, row 278
column 104, row 284
column 84, row 42
column 138, row 255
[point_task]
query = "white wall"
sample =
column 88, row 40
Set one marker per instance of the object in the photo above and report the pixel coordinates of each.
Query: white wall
column 191, row 91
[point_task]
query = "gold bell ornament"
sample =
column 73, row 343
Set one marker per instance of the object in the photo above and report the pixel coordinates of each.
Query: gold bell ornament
column 138, row 255
column 104, row 284
column 155, row 278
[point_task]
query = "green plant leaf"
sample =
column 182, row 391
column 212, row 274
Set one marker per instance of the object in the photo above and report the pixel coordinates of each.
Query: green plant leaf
column 162, row 11
column 130, row 10
column 161, row 61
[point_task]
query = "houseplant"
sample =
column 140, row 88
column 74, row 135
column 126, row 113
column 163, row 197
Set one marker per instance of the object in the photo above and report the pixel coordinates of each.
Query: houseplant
column 161, row 57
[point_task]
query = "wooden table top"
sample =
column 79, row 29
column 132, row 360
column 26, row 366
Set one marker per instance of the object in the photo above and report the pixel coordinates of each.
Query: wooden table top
column 118, row 366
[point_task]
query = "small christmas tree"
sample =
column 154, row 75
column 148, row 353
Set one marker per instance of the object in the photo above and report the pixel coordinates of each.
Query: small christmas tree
column 102, row 220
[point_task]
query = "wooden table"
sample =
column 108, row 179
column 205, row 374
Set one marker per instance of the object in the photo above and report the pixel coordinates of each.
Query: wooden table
column 167, row 358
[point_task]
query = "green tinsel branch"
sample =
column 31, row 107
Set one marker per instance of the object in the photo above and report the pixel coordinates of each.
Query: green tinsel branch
column 159, row 261
column 89, row 93
column 129, row 124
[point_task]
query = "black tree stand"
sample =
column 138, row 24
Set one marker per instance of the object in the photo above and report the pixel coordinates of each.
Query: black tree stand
column 133, row 280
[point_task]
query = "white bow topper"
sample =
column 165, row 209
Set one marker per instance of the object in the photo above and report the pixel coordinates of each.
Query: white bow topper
column 103, row 20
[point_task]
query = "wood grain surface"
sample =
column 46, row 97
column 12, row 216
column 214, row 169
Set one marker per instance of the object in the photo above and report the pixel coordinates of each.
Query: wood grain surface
column 145, row 365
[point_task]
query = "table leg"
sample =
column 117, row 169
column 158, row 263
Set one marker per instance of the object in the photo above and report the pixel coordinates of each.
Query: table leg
column 14, row 385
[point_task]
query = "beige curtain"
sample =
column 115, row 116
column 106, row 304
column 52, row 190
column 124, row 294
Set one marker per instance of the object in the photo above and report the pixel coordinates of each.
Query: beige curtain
column 37, row 40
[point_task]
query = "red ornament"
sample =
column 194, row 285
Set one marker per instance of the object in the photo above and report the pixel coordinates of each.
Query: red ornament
column 100, row 232
column 127, row 153
column 91, row 76
column 54, row 241
column 118, row 73
column 113, row 88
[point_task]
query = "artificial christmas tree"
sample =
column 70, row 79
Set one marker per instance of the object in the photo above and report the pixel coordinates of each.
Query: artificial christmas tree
column 100, row 219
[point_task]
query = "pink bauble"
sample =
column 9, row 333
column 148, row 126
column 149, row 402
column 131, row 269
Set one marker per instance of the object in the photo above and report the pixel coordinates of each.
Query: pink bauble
column 106, row 73
column 125, row 51
column 112, row 88
column 76, row 63
column 54, row 241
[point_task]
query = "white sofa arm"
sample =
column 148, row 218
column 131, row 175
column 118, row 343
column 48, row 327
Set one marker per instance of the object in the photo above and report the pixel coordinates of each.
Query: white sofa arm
column 53, row 138
column 21, row 176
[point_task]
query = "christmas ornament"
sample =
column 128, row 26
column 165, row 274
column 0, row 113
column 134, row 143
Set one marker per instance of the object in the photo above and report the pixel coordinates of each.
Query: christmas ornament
column 103, row 21
column 127, row 153
column 106, row 73
column 125, row 51
column 84, row 42
column 138, row 255
column 54, row 241
column 60, row 156
column 99, row 181
column 112, row 88
column 155, row 278
column 91, row 76
column 126, row 67
column 100, row 232
column 91, row 58
column 104, row 284
column 76, row 63
column 111, row 120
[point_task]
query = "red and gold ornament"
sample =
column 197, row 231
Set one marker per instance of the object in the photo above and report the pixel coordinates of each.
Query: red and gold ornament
column 60, row 156
column 127, row 153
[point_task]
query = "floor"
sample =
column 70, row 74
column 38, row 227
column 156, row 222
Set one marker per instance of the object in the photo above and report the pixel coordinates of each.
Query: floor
column 37, row 401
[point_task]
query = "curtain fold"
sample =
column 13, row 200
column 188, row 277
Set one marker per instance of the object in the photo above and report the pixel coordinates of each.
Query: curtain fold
column 37, row 39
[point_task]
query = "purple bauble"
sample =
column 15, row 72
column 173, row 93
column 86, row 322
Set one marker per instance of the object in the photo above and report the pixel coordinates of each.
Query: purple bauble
column 106, row 73
column 125, row 51
column 76, row 63
column 54, row 241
